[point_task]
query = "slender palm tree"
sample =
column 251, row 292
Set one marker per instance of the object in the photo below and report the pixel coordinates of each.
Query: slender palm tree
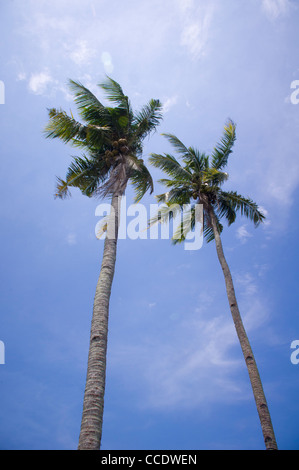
column 199, row 180
column 112, row 139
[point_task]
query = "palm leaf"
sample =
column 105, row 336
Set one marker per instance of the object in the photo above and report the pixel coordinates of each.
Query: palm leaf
column 208, row 231
column 195, row 159
column 177, row 144
column 141, row 180
column 223, row 149
column 226, row 209
column 64, row 127
column 214, row 177
column 241, row 204
column 62, row 189
column 116, row 95
column 165, row 213
column 186, row 225
column 90, row 108
column 147, row 119
column 170, row 166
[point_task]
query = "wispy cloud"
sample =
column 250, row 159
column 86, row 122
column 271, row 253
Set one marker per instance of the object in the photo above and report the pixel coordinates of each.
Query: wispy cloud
column 107, row 62
column 169, row 103
column 71, row 239
column 39, row 82
column 275, row 8
column 43, row 83
column 243, row 234
column 196, row 26
column 247, row 283
column 21, row 76
column 174, row 370
column 82, row 52
column 152, row 305
column 197, row 361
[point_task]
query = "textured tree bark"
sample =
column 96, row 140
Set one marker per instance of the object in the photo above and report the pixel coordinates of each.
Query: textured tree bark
column 93, row 403
column 257, row 388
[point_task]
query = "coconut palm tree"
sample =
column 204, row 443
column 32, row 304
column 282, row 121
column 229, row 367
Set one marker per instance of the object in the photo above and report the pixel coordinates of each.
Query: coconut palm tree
column 198, row 180
column 112, row 139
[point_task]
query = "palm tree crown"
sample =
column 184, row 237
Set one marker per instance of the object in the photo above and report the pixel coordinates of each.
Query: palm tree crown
column 199, row 180
column 111, row 137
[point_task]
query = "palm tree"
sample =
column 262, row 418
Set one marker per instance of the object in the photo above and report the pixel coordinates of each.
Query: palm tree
column 198, row 180
column 112, row 139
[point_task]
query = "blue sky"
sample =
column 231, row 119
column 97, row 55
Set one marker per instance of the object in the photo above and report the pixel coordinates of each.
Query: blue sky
column 176, row 377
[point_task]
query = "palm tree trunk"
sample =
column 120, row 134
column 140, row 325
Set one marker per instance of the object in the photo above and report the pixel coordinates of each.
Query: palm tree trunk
column 93, row 404
column 257, row 388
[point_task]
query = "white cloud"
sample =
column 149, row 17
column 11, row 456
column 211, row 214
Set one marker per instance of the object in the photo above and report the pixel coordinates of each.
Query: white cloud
column 267, row 220
column 152, row 305
column 243, row 234
column 196, row 28
column 82, row 53
column 107, row 62
column 43, row 83
column 169, row 103
column 264, row 211
column 174, row 370
column 197, row 361
column 275, row 8
column 247, row 283
column 283, row 182
column 21, row 76
column 185, row 5
column 38, row 82
column 71, row 239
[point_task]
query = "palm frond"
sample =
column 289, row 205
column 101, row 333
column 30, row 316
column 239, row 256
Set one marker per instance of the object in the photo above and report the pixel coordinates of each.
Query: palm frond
column 170, row 166
column 179, row 195
column 177, row 144
column 85, row 174
column 147, row 119
column 141, row 180
column 69, row 130
column 165, row 213
column 225, row 209
column 241, row 204
column 214, row 177
column 195, row 159
column 223, row 149
column 90, row 108
column 64, row 127
column 62, row 189
column 207, row 228
column 186, row 225
column 119, row 121
column 116, row 95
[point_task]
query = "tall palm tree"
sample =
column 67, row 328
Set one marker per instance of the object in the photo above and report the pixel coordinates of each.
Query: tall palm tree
column 199, row 180
column 112, row 138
